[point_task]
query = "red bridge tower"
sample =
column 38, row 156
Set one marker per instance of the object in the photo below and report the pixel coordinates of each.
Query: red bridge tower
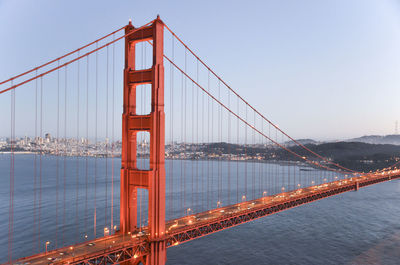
column 131, row 177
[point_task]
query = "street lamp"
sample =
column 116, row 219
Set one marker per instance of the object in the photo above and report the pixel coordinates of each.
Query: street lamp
column 47, row 243
column 264, row 195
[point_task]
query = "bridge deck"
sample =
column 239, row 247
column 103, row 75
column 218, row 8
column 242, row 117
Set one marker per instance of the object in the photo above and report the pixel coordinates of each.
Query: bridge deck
column 118, row 248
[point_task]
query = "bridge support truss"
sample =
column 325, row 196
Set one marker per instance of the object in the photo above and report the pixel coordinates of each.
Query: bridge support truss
column 133, row 178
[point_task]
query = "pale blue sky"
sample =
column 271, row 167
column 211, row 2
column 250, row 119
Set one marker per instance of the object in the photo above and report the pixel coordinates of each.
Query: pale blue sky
column 319, row 69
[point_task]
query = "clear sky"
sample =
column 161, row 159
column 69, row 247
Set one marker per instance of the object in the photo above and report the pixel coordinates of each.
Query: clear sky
column 319, row 69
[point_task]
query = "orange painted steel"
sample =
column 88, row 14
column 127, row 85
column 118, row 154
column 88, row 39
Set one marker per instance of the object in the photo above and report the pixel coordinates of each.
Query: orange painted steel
column 135, row 248
column 133, row 178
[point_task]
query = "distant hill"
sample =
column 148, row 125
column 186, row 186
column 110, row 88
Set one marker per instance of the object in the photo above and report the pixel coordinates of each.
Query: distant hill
column 301, row 141
column 378, row 139
column 356, row 155
column 353, row 155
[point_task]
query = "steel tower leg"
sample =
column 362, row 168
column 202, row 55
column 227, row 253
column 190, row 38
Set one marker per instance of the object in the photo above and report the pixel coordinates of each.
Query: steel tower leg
column 131, row 177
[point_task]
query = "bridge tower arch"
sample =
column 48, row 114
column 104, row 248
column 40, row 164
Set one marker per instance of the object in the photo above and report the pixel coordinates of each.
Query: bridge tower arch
column 133, row 178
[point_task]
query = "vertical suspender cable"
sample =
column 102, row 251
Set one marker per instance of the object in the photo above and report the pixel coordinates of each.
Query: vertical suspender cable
column 212, row 151
column 270, row 173
column 184, row 135
column 209, row 143
column 40, row 155
column 197, row 134
column 245, row 164
column 237, row 157
column 276, row 184
column 202, row 140
column 229, row 149
column 260, row 165
column 106, row 143
column 96, row 146
column 287, row 172
column 253, row 158
column 11, row 202
column 87, row 147
column 112, row 136
column 65, row 156
column 192, row 147
column 57, row 150
column 220, row 141
column 263, row 170
column 294, row 166
column 171, row 175
column 181, row 171
column 77, row 156
column 282, row 167
column 35, row 169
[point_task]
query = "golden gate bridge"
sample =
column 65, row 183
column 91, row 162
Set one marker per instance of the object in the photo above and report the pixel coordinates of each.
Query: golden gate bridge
column 174, row 108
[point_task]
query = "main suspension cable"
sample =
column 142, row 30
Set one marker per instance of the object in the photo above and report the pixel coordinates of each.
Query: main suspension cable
column 73, row 60
column 61, row 57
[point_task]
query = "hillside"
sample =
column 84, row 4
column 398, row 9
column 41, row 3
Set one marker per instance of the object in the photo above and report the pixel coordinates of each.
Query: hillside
column 353, row 155
column 378, row 139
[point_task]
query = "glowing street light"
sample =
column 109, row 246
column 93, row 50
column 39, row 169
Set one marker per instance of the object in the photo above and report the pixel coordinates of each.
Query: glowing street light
column 264, row 195
column 106, row 231
column 188, row 211
column 47, row 243
column 243, row 198
column 218, row 204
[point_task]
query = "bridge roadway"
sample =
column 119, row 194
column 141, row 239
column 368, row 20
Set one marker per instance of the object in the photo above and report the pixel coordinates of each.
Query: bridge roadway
column 117, row 248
